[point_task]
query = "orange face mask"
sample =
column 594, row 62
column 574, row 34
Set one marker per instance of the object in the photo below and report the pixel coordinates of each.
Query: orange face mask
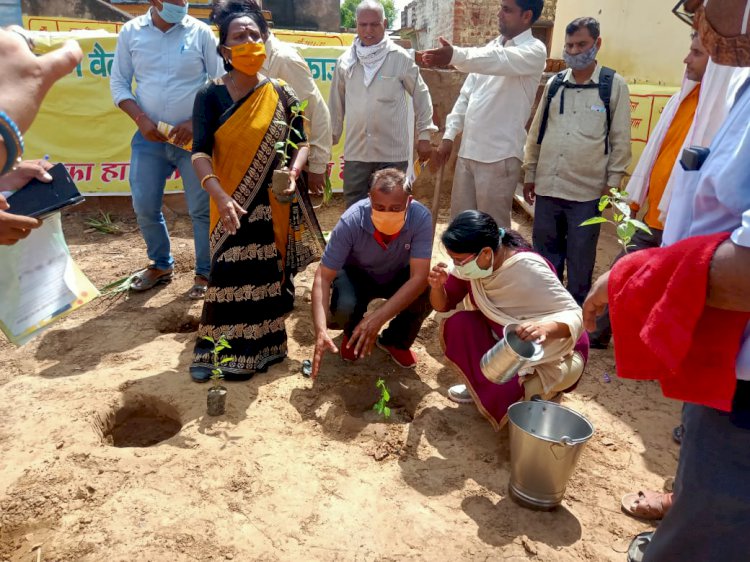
column 248, row 58
column 389, row 222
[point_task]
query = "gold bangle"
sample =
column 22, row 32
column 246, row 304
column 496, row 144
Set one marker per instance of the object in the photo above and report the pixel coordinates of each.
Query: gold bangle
column 198, row 156
column 206, row 178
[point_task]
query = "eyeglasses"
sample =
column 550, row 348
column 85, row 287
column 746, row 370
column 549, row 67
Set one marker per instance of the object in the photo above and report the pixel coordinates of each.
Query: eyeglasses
column 682, row 14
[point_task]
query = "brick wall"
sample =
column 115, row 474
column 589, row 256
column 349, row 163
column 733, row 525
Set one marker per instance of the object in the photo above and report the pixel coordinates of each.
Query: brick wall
column 475, row 22
column 463, row 22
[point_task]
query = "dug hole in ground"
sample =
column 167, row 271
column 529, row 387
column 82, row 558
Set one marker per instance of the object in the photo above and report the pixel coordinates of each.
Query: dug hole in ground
column 106, row 452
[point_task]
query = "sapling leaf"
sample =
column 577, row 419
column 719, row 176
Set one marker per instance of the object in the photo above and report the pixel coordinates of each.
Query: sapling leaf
column 603, row 202
column 293, row 145
column 623, row 207
column 386, row 411
column 625, row 231
column 640, row 226
column 594, row 220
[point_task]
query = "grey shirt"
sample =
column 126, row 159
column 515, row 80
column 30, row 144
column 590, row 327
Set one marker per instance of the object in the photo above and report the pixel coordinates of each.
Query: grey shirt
column 377, row 116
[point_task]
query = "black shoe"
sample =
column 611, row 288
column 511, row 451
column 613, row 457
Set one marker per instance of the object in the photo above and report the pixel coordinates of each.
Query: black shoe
column 598, row 344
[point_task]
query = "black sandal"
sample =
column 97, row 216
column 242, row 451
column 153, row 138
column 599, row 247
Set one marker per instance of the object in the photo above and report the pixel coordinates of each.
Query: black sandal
column 198, row 290
column 637, row 548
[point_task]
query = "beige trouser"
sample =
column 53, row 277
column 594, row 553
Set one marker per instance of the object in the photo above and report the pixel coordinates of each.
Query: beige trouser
column 486, row 187
column 572, row 368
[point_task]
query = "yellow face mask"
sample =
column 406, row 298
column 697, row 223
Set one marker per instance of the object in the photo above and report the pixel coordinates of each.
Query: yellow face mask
column 248, row 58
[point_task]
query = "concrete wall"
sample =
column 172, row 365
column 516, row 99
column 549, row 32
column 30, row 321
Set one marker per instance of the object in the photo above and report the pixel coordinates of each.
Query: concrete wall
column 318, row 15
column 430, row 19
column 641, row 39
column 83, row 9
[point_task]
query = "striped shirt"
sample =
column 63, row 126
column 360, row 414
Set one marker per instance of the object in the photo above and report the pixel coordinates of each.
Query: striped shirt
column 377, row 116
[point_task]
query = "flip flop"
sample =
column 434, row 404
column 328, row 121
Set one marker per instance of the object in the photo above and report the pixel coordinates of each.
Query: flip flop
column 198, row 290
column 637, row 548
column 647, row 505
column 141, row 283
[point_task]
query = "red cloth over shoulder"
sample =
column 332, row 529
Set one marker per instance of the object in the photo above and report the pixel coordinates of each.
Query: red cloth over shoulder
column 663, row 329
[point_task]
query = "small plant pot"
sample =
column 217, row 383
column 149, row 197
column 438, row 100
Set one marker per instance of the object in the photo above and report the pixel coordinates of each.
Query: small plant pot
column 281, row 184
column 217, row 401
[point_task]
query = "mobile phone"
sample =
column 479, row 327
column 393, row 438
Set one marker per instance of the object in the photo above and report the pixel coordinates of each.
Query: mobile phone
column 693, row 158
column 40, row 199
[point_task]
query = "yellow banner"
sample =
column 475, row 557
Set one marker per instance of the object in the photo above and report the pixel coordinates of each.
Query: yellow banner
column 80, row 126
column 310, row 38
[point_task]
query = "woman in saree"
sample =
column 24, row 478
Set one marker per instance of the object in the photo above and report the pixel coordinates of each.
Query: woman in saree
column 499, row 280
column 257, row 242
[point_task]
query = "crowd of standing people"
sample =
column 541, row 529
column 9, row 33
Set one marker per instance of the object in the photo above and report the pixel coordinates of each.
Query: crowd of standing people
column 229, row 104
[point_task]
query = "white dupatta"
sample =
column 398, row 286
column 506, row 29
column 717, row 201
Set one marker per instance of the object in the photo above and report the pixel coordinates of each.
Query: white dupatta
column 525, row 289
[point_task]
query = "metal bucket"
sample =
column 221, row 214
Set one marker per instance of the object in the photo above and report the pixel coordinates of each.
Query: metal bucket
column 546, row 440
column 508, row 355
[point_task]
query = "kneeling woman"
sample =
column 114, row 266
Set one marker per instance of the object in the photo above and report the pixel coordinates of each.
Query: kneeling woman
column 501, row 281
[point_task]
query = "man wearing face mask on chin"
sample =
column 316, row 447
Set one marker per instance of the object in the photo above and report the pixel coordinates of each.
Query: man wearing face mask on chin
column 170, row 56
column 704, row 299
column 577, row 149
column 380, row 248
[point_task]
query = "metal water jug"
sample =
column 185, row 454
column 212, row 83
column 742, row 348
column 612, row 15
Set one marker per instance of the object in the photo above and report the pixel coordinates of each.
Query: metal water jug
column 509, row 355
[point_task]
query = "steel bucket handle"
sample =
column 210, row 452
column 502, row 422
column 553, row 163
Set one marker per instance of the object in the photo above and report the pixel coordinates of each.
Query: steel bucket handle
column 565, row 442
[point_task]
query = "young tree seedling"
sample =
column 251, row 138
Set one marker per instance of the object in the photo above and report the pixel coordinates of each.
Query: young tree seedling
column 282, row 147
column 625, row 225
column 217, row 373
column 385, row 396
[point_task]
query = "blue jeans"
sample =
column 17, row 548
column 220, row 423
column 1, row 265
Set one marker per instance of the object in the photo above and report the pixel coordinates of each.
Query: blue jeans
column 558, row 236
column 150, row 165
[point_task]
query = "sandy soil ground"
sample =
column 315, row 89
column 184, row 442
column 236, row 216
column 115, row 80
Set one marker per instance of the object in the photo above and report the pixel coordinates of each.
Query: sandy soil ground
column 293, row 471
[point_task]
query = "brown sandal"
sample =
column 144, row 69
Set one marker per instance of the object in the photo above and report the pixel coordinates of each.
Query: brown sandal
column 647, row 505
column 143, row 280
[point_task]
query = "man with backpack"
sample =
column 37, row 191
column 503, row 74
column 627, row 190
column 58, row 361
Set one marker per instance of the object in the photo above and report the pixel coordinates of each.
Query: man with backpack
column 578, row 148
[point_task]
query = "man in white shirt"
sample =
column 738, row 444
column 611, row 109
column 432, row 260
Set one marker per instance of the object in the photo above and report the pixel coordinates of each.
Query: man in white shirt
column 492, row 110
column 284, row 62
column 711, row 510
column 369, row 85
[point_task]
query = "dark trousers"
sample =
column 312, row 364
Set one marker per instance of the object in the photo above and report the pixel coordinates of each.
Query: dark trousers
column 710, row 517
column 352, row 291
column 558, row 236
column 357, row 177
column 641, row 241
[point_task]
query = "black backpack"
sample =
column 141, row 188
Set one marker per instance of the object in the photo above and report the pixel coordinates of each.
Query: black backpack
column 606, row 77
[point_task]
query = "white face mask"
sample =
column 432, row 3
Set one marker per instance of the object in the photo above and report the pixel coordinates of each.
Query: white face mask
column 472, row 271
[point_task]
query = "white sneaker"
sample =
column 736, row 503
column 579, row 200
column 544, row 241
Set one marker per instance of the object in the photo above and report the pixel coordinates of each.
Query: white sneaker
column 460, row 394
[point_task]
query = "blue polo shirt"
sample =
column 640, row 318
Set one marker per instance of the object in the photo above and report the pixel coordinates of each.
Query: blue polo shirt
column 353, row 243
